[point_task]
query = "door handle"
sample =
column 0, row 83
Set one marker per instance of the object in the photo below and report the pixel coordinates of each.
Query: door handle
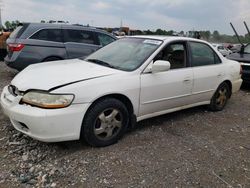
column 186, row 80
column 219, row 75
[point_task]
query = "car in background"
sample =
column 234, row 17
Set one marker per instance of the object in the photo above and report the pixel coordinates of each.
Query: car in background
column 243, row 57
column 34, row 43
column 132, row 79
column 235, row 48
column 222, row 49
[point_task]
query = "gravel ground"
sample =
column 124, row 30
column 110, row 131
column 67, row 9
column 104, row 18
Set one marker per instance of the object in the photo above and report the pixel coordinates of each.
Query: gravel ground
column 190, row 148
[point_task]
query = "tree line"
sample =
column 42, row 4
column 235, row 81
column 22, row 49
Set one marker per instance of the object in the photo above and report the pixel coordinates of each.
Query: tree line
column 209, row 36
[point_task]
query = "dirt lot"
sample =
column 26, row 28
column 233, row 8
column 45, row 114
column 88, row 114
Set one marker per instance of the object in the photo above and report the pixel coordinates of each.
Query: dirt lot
column 191, row 148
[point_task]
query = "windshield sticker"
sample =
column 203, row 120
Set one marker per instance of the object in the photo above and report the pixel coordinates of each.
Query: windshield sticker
column 155, row 42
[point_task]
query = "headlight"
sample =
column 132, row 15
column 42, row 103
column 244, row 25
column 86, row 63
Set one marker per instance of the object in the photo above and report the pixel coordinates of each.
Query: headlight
column 47, row 100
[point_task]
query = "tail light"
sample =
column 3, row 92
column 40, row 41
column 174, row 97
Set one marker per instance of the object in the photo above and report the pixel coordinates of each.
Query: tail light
column 241, row 70
column 15, row 47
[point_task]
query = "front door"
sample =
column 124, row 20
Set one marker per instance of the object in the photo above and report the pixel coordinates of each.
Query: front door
column 170, row 89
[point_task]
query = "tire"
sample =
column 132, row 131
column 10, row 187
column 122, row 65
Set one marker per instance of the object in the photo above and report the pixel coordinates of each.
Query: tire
column 220, row 97
column 52, row 59
column 105, row 123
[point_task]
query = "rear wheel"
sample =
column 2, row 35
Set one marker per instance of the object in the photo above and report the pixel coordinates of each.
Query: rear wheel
column 105, row 123
column 220, row 98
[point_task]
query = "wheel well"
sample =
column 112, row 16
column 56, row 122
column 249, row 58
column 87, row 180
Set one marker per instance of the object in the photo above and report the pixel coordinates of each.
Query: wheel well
column 125, row 100
column 56, row 57
column 230, row 86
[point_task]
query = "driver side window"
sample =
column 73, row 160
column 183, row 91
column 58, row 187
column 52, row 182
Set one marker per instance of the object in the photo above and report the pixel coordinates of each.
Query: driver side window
column 175, row 53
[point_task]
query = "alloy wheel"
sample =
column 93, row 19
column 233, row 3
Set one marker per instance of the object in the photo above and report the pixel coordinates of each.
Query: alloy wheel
column 108, row 124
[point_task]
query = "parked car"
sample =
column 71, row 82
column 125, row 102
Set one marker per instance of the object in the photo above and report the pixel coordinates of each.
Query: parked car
column 38, row 42
column 236, row 48
column 243, row 57
column 132, row 79
column 222, row 49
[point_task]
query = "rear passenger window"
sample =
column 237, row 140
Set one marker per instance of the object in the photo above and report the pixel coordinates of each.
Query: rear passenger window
column 79, row 36
column 54, row 35
column 202, row 55
column 104, row 39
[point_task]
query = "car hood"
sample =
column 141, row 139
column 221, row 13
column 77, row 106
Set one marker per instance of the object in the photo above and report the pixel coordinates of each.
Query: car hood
column 51, row 75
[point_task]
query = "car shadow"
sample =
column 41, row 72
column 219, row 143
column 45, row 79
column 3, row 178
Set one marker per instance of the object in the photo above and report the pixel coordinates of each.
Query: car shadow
column 170, row 117
column 165, row 120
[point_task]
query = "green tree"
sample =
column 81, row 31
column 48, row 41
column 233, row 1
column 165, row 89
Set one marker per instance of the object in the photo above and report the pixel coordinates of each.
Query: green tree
column 216, row 36
column 7, row 25
column 159, row 32
column 11, row 25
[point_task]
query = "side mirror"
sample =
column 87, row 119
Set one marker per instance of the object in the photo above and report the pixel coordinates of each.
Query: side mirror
column 160, row 66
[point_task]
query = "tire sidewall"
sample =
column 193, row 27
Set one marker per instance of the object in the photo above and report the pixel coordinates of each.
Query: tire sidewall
column 87, row 131
column 213, row 105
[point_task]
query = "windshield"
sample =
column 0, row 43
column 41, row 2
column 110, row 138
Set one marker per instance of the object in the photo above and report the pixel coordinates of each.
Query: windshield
column 125, row 54
column 247, row 49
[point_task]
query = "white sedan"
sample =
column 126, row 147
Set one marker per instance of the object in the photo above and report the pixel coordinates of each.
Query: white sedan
column 135, row 78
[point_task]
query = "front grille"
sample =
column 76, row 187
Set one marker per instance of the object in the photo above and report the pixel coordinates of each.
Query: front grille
column 14, row 91
column 24, row 126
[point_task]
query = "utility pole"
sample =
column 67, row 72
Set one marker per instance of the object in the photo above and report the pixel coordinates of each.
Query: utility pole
column 1, row 8
column 121, row 23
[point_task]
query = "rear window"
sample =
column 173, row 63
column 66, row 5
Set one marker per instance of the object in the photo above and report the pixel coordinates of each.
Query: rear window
column 54, row 35
column 18, row 31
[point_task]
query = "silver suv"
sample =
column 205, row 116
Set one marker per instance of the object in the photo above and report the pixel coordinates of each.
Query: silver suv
column 37, row 42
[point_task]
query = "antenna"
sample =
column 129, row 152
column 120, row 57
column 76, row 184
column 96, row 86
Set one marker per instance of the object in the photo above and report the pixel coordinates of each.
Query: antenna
column 236, row 34
column 247, row 28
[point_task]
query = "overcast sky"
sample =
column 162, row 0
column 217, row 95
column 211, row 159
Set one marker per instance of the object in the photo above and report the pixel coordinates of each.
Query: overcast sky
column 137, row 14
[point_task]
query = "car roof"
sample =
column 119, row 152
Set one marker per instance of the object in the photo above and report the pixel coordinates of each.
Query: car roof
column 166, row 38
column 59, row 25
column 34, row 27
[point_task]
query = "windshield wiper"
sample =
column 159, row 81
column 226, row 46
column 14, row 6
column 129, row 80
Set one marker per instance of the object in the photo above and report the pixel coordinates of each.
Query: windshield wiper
column 100, row 62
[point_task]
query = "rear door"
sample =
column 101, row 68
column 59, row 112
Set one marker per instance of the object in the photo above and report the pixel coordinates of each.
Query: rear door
column 208, row 71
column 79, row 43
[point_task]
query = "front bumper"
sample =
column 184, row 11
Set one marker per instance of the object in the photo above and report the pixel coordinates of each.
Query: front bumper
column 47, row 125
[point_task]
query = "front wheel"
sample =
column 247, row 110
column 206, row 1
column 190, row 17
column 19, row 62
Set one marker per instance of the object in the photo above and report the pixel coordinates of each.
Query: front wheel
column 105, row 123
column 220, row 98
